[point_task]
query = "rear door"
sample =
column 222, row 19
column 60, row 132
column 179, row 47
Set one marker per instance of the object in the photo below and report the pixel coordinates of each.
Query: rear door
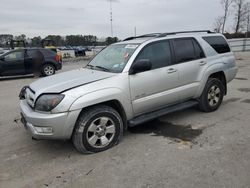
column 191, row 62
column 154, row 89
column 30, row 60
column 12, row 63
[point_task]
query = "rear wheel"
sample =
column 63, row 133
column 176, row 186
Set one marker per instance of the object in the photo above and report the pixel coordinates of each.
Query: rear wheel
column 48, row 70
column 212, row 95
column 97, row 129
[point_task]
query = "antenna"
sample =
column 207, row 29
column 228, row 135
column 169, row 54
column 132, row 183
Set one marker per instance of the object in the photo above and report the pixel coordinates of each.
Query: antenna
column 111, row 18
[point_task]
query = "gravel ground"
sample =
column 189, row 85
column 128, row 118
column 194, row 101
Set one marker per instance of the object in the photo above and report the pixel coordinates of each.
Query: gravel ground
column 183, row 149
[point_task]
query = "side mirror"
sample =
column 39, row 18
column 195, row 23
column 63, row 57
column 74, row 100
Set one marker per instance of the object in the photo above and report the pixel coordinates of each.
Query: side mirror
column 141, row 66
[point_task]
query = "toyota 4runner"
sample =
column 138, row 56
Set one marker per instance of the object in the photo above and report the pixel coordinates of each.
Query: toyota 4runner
column 129, row 83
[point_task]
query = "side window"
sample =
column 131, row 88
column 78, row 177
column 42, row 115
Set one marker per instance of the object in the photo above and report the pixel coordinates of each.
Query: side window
column 184, row 50
column 47, row 52
column 218, row 43
column 158, row 53
column 198, row 50
column 32, row 53
column 14, row 56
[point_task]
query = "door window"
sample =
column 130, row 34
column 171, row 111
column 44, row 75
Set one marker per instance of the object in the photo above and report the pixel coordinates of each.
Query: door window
column 14, row 56
column 198, row 50
column 158, row 53
column 32, row 53
column 184, row 50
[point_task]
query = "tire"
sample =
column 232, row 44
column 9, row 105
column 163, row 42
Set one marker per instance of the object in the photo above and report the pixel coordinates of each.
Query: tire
column 97, row 129
column 212, row 95
column 48, row 70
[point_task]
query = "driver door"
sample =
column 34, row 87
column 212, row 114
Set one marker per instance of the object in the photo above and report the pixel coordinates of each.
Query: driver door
column 154, row 89
column 13, row 63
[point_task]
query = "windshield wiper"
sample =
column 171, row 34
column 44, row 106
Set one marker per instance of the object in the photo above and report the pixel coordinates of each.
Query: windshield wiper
column 91, row 66
column 103, row 68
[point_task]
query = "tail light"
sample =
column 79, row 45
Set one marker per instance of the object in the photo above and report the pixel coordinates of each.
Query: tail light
column 58, row 57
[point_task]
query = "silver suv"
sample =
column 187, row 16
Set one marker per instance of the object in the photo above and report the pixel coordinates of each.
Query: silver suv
column 129, row 83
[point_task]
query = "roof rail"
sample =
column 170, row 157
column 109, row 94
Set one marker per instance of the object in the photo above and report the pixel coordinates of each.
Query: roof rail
column 158, row 35
column 144, row 36
column 181, row 32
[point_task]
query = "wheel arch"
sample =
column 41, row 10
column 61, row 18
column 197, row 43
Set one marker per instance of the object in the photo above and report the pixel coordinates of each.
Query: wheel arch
column 215, row 71
column 220, row 75
column 115, row 104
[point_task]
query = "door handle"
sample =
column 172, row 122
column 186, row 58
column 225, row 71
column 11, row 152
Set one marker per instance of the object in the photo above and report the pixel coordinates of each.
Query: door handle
column 171, row 70
column 203, row 63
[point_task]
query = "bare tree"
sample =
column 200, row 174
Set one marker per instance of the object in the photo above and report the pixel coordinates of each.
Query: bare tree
column 248, row 21
column 241, row 12
column 218, row 24
column 226, row 5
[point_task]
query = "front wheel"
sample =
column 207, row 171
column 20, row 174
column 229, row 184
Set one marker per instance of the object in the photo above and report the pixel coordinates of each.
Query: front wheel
column 97, row 129
column 212, row 95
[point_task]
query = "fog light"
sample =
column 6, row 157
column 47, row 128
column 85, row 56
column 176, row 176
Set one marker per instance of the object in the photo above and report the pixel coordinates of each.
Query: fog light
column 44, row 129
column 47, row 129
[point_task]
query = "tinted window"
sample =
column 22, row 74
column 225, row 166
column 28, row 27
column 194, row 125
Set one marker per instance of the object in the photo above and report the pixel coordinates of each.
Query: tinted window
column 158, row 53
column 218, row 43
column 32, row 53
column 198, row 51
column 14, row 56
column 184, row 50
column 48, row 52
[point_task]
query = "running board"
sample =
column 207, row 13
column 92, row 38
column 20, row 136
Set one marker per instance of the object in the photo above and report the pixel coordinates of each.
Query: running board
column 155, row 114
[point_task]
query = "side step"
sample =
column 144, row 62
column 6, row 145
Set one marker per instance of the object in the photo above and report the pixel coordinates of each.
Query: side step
column 155, row 114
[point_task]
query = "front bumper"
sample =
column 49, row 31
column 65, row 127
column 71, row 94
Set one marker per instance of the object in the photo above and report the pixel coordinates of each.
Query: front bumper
column 60, row 124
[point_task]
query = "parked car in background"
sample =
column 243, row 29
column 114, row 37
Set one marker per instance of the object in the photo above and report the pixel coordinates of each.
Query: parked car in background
column 27, row 60
column 129, row 83
column 79, row 51
column 4, row 50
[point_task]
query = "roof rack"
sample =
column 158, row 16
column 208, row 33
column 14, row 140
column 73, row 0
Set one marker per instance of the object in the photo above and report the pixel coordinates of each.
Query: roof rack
column 144, row 36
column 158, row 35
column 181, row 32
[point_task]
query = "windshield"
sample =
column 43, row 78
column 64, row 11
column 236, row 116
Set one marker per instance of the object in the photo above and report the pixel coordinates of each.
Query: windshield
column 113, row 58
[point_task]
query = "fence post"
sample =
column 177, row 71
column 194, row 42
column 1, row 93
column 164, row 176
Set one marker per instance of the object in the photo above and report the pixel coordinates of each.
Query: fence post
column 244, row 44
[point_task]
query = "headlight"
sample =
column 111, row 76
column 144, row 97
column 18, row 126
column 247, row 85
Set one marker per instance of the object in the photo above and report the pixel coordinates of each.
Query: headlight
column 22, row 93
column 47, row 102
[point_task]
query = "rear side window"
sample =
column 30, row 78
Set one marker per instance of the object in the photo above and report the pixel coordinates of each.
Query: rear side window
column 184, row 50
column 158, row 53
column 47, row 52
column 218, row 43
column 32, row 53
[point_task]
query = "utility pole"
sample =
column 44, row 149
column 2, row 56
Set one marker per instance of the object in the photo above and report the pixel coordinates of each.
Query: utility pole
column 248, row 26
column 111, row 18
column 135, row 31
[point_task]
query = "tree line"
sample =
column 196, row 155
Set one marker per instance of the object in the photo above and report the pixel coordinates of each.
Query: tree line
column 69, row 40
column 240, row 11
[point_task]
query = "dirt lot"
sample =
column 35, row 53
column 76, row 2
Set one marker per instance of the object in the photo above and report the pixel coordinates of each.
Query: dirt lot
column 184, row 149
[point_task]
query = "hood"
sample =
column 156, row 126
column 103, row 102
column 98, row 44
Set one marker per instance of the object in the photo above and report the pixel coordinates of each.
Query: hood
column 67, row 80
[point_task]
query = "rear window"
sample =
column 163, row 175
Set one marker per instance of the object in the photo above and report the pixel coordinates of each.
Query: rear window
column 47, row 52
column 218, row 43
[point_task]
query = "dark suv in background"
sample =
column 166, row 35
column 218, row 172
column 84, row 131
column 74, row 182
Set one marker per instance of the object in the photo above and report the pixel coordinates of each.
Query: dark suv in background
column 28, row 60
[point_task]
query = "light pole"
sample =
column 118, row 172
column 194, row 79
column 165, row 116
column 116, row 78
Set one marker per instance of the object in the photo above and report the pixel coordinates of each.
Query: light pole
column 111, row 18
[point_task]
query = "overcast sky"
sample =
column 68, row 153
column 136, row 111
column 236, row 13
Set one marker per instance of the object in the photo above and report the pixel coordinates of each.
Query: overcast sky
column 63, row 17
